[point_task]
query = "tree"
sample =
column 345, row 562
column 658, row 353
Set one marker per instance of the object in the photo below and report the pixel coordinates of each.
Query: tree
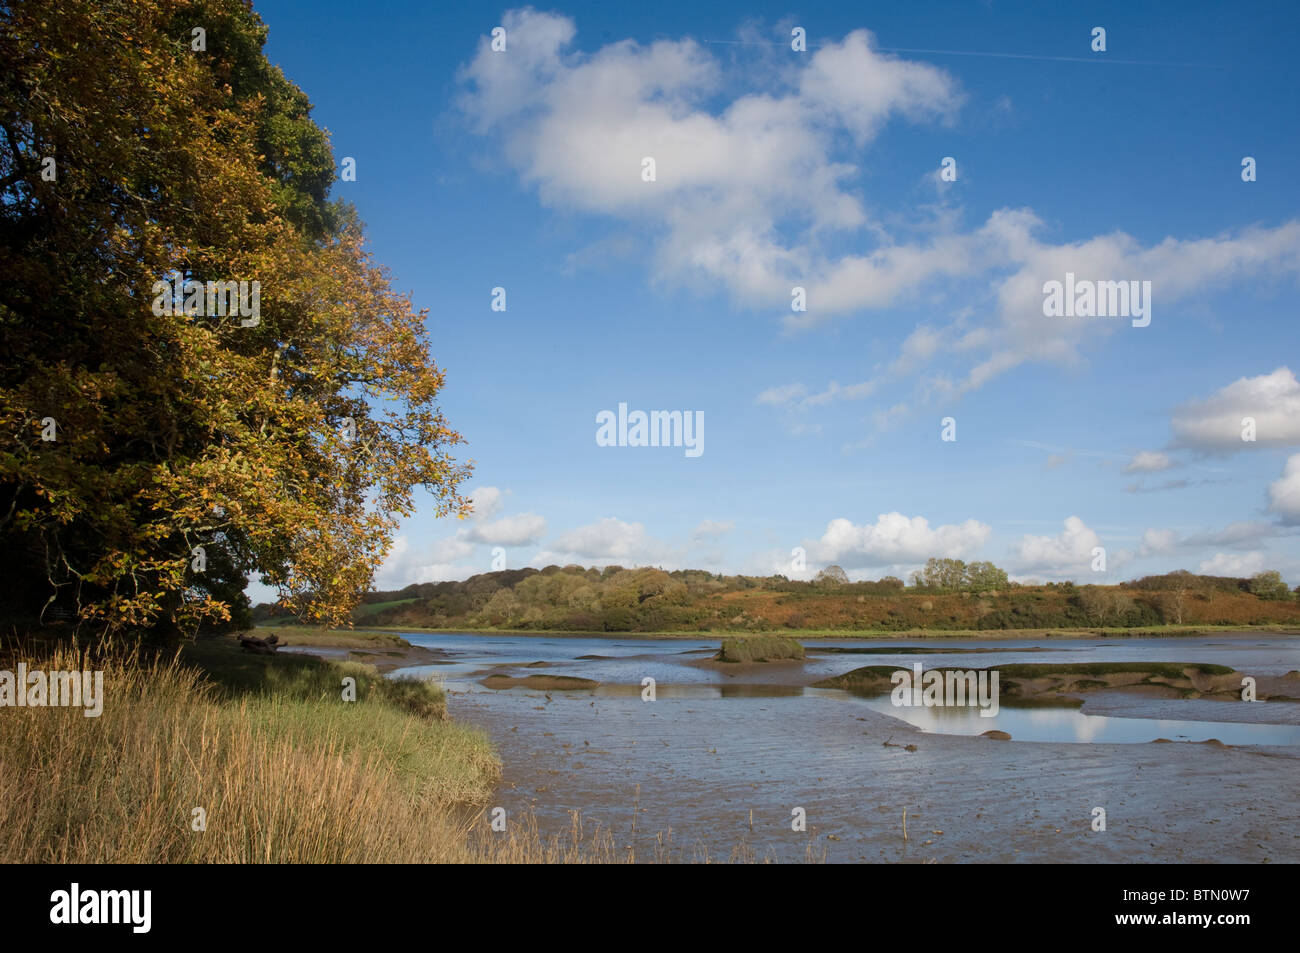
column 1269, row 585
column 1180, row 582
column 984, row 577
column 134, row 428
column 1104, row 605
column 944, row 573
column 832, row 576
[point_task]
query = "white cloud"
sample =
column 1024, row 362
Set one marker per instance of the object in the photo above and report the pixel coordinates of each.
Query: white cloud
column 1234, row 564
column 609, row 540
column 521, row 530
column 750, row 188
column 1214, row 425
column 1066, row 555
column 444, row 559
column 1149, row 461
column 449, row 557
column 487, row 500
column 729, row 177
column 1284, row 493
column 1156, row 541
column 894, row 539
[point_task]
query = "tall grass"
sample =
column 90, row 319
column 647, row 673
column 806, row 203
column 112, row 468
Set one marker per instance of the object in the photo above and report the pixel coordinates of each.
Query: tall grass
column 282, row 779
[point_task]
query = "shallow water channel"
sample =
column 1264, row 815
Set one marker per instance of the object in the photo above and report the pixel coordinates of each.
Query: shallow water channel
column 687, row 769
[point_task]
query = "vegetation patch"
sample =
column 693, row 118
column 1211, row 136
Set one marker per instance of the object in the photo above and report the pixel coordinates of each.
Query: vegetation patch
column 947, row 598
column 764, row 648
column 307, row 635
column 1052, row 683
column 284, row 770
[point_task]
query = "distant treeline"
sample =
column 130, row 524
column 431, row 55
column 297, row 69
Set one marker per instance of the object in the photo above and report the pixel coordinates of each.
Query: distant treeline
column 947, row 594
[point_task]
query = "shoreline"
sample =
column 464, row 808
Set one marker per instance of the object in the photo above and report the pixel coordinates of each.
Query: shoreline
column 398, row 653
column 823, row 635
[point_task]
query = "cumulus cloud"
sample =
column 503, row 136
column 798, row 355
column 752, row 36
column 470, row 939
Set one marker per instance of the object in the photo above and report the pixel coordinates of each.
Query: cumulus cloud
column 1068, row 554
column 753, row 190
column 1157, row 541
column 444, row 559
column 1214, row 425
column 487, row 500
column 730, row 175
column 1284, row 493
column 450, row 557
column 895, row 539
column 607, row 541
column 521, row 530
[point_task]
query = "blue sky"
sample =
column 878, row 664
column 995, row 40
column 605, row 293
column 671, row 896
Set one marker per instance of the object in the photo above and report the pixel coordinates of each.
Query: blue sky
column 522, row 169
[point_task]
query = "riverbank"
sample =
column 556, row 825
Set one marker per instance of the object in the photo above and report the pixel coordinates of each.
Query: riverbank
column 383, row 650
column 1156, row 631
column 213, row 755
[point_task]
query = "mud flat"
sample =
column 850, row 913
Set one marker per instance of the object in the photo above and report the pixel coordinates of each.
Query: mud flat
column 725, row 739
column 1062, row 684
column 541, row 683
column 691, row 770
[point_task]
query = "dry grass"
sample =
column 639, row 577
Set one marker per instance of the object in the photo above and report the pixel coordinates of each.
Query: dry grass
column 282, row 780
column 332, row 638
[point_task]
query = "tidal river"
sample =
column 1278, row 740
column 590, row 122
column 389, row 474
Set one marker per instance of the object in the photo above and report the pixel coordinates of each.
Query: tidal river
column 727, row 764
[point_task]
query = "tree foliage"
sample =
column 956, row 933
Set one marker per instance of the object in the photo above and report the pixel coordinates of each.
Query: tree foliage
column 954, row 575
column 832, row 576
column 1269, row 585
column 287, row 447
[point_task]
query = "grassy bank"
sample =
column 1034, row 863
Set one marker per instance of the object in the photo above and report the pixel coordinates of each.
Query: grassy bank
column 283, row 768
column 335, row 638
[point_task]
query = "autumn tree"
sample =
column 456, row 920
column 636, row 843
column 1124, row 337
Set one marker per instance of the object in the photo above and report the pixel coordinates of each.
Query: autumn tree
column 155, row 448
column 1269, row 585
column 984, row 577
column 943, row 573
column 832, row 576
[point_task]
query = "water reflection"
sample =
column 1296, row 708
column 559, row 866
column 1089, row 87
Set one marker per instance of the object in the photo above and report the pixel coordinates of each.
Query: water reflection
column 1070, row 724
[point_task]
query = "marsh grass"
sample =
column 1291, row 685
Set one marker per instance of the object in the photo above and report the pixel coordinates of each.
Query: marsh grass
column 285, row 770
column 759, row 648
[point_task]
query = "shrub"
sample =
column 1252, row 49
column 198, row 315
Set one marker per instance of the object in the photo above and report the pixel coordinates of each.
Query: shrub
column 762, row 648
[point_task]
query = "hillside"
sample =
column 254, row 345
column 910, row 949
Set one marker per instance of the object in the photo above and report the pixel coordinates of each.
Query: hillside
column 615, row 599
